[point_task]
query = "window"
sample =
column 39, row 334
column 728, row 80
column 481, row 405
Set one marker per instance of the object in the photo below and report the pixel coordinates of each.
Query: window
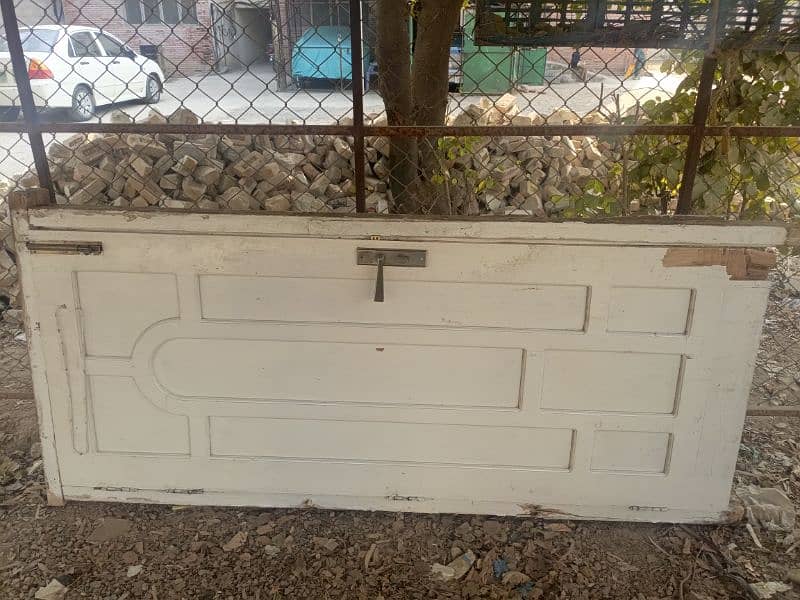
column 83, row 44
column 170, row 12
column 111, row 46
column 57, row 10
column 152, row 11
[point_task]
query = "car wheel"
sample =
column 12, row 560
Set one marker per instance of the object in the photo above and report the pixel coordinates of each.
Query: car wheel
column 152, row 90
column 9, row 113
column 83, row 104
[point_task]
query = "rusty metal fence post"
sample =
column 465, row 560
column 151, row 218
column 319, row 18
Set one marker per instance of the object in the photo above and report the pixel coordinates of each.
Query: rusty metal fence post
column 702, row 108
column 357, row 83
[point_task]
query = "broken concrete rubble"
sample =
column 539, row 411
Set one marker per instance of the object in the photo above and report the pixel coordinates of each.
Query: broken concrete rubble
column 54, row 590
column 531, row 175
column 767, row 508
column 455, row 569
column 307, row 202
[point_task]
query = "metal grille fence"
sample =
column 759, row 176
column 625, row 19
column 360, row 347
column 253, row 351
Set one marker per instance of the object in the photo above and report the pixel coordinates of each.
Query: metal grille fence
column 298, row 106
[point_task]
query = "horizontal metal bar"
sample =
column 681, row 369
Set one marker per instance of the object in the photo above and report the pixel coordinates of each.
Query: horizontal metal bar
column 406, row 131
column 387, row 131
column 527, row 130
column 754, row 131
column 16, row 395
column 590, row 39
column 774, row 411
column 201, row 128
column 65, row 247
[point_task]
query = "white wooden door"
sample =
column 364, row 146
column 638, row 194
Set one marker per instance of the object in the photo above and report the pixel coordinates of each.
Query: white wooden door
column 221, row 360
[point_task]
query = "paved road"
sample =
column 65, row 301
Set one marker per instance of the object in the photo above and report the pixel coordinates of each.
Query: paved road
column 252, row 97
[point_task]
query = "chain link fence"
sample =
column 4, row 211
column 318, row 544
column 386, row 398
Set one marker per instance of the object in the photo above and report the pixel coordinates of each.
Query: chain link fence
column 298, row 106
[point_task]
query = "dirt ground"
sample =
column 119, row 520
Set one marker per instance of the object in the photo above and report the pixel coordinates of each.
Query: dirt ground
column 124, row 551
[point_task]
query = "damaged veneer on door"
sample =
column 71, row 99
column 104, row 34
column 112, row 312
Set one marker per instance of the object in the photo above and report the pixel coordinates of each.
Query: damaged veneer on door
column 741, row 264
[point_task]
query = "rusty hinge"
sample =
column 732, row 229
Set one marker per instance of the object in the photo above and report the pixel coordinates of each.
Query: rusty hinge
column 65, row 247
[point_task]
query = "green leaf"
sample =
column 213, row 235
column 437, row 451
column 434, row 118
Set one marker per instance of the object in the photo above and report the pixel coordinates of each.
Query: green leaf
column 762, row 181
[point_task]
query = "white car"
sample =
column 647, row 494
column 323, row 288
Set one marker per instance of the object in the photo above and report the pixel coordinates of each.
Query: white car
column 77, row 68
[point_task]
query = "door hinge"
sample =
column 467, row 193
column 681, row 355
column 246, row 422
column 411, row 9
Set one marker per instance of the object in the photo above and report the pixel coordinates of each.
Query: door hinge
column 65, row 247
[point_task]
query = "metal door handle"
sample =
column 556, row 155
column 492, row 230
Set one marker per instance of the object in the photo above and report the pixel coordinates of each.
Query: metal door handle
column 389, row 257
column 114, row 62
column 84, row 62
column 379, row 280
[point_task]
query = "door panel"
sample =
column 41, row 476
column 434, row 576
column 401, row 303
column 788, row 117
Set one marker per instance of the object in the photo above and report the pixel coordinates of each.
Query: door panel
column 347, row 372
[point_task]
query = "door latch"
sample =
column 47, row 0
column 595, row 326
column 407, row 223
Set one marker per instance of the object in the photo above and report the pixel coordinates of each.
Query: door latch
column 65, row 247
column 389, row 257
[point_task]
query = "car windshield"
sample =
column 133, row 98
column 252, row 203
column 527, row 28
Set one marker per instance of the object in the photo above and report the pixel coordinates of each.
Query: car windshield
column 34, row 40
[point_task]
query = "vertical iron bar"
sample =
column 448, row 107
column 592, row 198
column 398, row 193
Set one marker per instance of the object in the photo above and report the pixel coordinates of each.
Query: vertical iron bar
column 702, row 107
column 20, row 66
column 656, row 14
column 751, row 12
column 280, row 42
column 779, row 6
column 684, row 18
column 628, row 12
column 358, row 104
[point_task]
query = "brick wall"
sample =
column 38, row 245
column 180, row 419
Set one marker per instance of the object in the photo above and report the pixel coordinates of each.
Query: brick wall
column 185, row 49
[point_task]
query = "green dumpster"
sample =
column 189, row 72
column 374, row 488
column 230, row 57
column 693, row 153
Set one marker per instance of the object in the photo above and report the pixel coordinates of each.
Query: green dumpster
column 497, row 69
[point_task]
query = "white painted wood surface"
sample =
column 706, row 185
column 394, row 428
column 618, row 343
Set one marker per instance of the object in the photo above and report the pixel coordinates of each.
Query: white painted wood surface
column 527, row 369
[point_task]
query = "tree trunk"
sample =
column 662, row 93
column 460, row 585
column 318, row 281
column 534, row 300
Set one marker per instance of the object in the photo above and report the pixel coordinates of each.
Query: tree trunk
column 394, row 81
column 415, row 94
column 436, row 21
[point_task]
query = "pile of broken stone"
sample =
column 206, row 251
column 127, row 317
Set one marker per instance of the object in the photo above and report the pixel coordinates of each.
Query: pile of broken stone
column 313, row 173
